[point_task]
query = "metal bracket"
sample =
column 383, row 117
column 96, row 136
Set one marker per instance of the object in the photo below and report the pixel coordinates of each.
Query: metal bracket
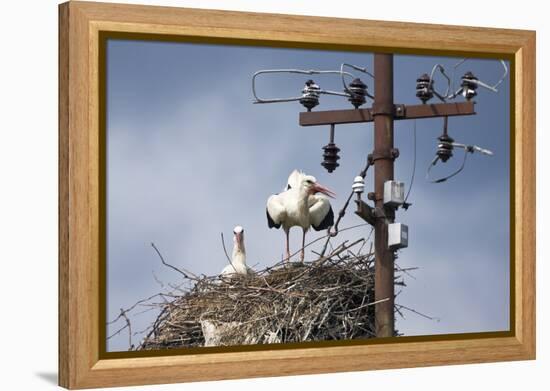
column 400, row 111
column 366, row 212
column 383, row 109
column 372, row 196
column 378, row 155
column 370, row 214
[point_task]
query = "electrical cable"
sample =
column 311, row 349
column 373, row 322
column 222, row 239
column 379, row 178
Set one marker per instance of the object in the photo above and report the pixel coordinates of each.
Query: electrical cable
column 480, row 83
column 440, row 180
column 451, row 81
column 347, row 93
column 445, row 96
column 342, row 212
column 333, row 231
column 405, row 204
column 360, row 69
column 298, row 71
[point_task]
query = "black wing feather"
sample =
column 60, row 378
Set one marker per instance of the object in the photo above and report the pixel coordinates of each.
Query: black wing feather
column 328, row 221
column 270, row 222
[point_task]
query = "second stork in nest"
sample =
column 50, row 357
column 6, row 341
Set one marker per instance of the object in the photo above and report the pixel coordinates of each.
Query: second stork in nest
column 237, row 265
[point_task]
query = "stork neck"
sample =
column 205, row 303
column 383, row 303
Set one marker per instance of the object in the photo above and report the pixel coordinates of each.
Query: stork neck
column 303, row 194
column 239, row 255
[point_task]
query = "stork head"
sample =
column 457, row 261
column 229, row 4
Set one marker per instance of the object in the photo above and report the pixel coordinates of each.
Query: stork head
column 294, row 179
column 311, row 186
column 238, row 237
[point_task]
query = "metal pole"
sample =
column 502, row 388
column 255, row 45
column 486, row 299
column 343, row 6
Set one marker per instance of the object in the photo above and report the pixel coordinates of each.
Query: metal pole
column 383, row 108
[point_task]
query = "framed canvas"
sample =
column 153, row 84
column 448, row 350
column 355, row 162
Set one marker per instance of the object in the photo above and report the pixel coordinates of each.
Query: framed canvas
column 176, row 125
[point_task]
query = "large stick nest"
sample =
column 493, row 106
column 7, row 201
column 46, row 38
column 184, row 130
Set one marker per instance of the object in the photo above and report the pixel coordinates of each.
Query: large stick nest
column 331, row 298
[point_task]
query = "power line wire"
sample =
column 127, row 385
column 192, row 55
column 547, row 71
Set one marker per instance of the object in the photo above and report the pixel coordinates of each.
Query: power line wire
column 405, row 205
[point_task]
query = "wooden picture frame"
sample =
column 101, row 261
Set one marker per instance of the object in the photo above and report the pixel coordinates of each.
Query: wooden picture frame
column 81, row 25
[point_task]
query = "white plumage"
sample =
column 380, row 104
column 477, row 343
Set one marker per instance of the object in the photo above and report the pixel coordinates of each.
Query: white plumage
column 319, row 205
column 300, row 205
column 238, row 264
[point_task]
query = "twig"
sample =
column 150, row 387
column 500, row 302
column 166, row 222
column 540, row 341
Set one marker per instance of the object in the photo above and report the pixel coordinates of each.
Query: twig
column 186, row 274
column 134, row 306
column 325, row 236
column 406, row 270
column 123, row 314
column 157, row 279
column 338, row 250
column 226, row 255
column 117, row 332
column 399, row 312
column 224, row 249
column 418, row 313
column 362, row 306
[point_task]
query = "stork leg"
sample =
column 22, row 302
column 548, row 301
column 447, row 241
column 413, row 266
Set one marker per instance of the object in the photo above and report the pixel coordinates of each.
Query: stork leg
column 303, row 252
column 287, row 246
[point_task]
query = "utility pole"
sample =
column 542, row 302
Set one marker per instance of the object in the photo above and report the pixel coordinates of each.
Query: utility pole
column 383, row 113
column 383, row 158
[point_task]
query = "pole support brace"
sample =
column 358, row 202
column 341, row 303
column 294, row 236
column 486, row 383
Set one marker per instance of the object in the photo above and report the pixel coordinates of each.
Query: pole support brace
column 391, row 154
column 382, row 109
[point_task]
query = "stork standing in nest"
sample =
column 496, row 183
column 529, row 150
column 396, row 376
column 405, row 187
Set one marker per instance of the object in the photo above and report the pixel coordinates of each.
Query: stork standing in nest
column 300, row 205
column 237, row 264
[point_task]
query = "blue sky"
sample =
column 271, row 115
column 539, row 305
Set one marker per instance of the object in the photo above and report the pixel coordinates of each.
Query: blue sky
column 189, row 156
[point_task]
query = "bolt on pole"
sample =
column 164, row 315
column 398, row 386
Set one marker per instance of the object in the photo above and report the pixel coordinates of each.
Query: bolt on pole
column 383, row 171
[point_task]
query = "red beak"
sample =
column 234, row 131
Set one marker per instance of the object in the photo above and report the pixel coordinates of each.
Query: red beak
column 318, row 188
column 239, row 239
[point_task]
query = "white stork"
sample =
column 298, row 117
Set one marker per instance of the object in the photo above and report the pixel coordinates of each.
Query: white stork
column 300, row 205
column 238, row 257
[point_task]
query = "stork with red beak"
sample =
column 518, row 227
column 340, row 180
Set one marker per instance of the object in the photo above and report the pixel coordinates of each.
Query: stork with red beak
column 300, row 205
column 237, row 265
